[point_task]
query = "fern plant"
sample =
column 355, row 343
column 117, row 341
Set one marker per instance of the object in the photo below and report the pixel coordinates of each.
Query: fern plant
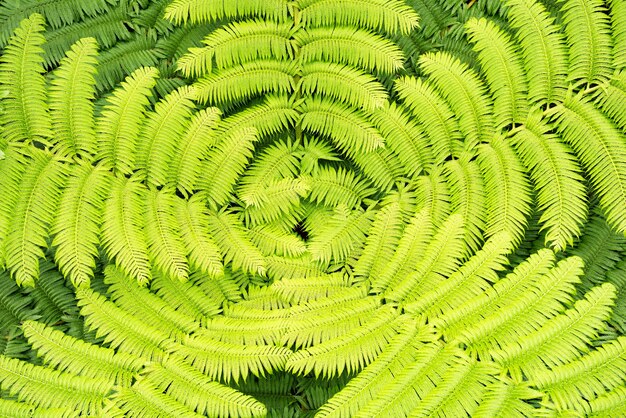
column 346, row 209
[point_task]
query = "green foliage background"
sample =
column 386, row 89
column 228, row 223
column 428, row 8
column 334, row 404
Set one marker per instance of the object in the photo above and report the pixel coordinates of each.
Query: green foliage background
column 319, row 208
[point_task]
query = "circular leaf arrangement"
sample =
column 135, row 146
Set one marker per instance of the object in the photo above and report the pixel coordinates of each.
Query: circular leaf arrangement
column 308, row 208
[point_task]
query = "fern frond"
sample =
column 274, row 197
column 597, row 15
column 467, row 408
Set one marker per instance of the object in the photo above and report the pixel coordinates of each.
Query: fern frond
column 190, row 387
column 503, row 398
column 166, row 248
column 294, row 267
column 561, row 193
column 50, row 388
column 238, row 43
column 618, row 14
column 242, row 82
column 595, row 373
column 612, row 96
column 503, row 69
column 543, row 48
column 233, row 240
column 332, row 357
column 302, row 290
column 339, row 187
column 246, row 331
column 225, row 163
column 599, row 146
column 339, row 237
column 202, row 11
column 609, row 404
column 39, row 192
column 53, row 296
column 76, row 228
column 432, row 193
column 158, row 138
column 434, row 115
column 272, row 240
column 14, row 306
column 465, row 93
column 382, row 167
column 588, row 31
column 507, row 190
column 25, row 108
column 350, row 130
column 123, row 228
column 123, row 331
column 351, row 46
column 118, row 125
column 193, row 223
column 278, row 202
column 71, row 101
column 75, row 356
column 12, row 168
column 193, row 145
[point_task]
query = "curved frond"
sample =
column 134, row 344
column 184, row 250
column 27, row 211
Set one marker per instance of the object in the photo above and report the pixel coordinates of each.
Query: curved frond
column 25, row 108
column 561, row 193
column 202, row 11
column 272, row 240
column 145, row 400
column 503, row 69
column 123, row 224
column 618, row 16
column 334, row 187
column 278, row 201
column 346, row 45
column 118, row 125
column 613, row 96
column 588, row 30
column 76, row 227
column 71, row 101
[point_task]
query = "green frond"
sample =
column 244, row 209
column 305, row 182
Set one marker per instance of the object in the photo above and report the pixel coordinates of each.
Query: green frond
column 49, row 388
column 348, row 85
column 202, row 11
column 34, row 211
column 232, row 239
column 313, row 151
column 15, row 409
column 14, row 307
column 71, row 101
column 503, row 399
column 124, row 58
column 560, row 340
column 76, row 227
column 382, row 167
column 433, row 194
column 231, row 362
column 351, row 46
column 25, row 107
column 404, row 137
column 225, row 163
column 166, row 248
column 278, row 201
column 471, row 279
column 192, row 146
column 220, row 289
column 542, row 299
column 389, row 17
column 202, row 251
column 245, row 81
column 293, row 267
column 556, row 175
column 382, row 239
column 543, row 47
column 433, row 113
column 187, row 298
column 612, row 97
column 609, row 404
column 123, row 228
column 618, row 14
column 245, row 331
column 118, row 125
column 599, row 146
column 145, row 400
column 272, row 240
column 343, row 233
column 121, row 330
column 272, row 116
column 158, row 137
column 467, row 197
column 617, row 277
column 503, row 68
column 334, row 187
column 301, row 290
column 591, row 375
column 190, row 387
column 507, row 189
column 138, row 301
column 12, row 168
column 401, row 350
column 504, row 293
column 53, row 296
column 326, row 319
column 464, row 92
column 75, row 356
column 409, row 251
column 333, row 357
column 440, row 259
column 349, row 129
column 588, row 29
